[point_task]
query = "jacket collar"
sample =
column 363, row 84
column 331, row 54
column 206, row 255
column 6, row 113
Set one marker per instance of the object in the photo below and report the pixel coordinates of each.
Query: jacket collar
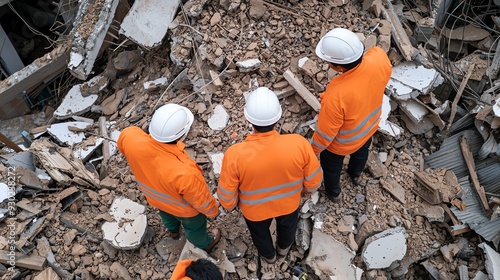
column 176, row 149
column 260, row 136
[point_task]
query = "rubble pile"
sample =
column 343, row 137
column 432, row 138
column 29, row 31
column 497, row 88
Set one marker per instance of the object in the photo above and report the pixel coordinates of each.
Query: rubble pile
column 72, row 209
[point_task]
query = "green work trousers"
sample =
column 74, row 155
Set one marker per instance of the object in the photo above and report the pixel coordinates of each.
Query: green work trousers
column 195, row 228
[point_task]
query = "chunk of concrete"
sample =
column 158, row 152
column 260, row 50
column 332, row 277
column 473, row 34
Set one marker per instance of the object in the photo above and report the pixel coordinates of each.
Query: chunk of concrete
column 24, row 159
column 219, row 119
column 414, row 110
column 492, row 261
column 384, row 248
column 216, row 160
column 308, row 66
column 433, row 213
column 248, row 65
column 409, row 80
column 385, row 126
column 151, row 85
column 129, row 227
column 330, row 259
column 147, row 21
column 76, row 102
column 85, row 47
column 61, row 132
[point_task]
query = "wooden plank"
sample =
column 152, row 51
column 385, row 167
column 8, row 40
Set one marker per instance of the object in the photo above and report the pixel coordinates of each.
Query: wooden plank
column 469, row 160
column 20, row 260
column 452, row 216
column 302, row 90
column 459, row 94
column 398, row 33
column 459, row 229
column 9, row 143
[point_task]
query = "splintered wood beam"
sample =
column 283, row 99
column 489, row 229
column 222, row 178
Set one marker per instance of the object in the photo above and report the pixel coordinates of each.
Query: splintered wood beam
column 471, row 166
column 398, row 33
column 459, row 94
column 9, row 143
column 302, row 90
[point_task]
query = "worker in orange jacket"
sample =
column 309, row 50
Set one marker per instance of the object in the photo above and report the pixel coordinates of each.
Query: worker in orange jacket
column 200, row 269
column 169, row 179
column 350, row 106
column 266, row 174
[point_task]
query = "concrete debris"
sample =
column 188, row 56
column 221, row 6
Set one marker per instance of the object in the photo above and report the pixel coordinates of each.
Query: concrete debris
column 89, row 35
column 141, row 24
column 152, row 85
column 216, row 160
column 129, row 228
column 384, row 248
column 433, row 213
column 62, row 133
column 80, row 98
column 409, row 80
column 496, row 108
column 219, row 118
column 308, row 66
column 248, row 65
column 492, row 261
column 5, row 192
column 385, row 126
column 330, row 259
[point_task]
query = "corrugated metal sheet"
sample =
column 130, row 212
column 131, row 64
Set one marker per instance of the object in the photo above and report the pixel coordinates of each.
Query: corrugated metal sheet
column 450, row 156
column 474, row 215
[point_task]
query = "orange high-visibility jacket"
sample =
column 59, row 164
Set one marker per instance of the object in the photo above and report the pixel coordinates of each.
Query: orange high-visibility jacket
column 179, row 272
column 352, row 104
column 266, row 173
column 168, row 177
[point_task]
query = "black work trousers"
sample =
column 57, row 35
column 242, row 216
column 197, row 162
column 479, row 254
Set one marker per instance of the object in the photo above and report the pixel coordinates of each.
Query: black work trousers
column 332, row 167
column 286, row 226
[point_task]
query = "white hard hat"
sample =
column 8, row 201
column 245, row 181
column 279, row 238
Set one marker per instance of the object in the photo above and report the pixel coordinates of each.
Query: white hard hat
column 263, row 107
column 170, row 122
column 340, row 46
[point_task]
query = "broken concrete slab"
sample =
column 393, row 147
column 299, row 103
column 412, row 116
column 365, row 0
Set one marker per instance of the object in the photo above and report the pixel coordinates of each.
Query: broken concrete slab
column 248, row 65
column 414, row 110
column 80, row 98
column 466, row 33
column 5, row 192
column 88, row 35
column 12, row 128
column 330, row 259
column 394, row 188
column 216, row 160
column 384, row 248
column 24, row 159
column 308, row 66
column 219, row 118
column 62, row 133
column 409, row 80
column 492, row 261
column 147, row 21
column 385, row 126
column 128, row 231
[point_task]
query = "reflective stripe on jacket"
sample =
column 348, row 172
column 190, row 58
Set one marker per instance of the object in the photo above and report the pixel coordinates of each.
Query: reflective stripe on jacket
column 170, row 180
column 266, row 173
column 352, row 104
column 179, row 272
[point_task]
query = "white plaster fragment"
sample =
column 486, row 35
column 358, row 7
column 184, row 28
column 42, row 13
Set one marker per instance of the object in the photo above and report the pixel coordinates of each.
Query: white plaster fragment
column 330, row 258
column 5, row 192
column 303, row 61
column 147, row 21
column 492, row 261
column 384, row 248
column 315, row 197
column 61, row 132
column 414, row 110
column 408, row 80
column 155, row 84
column 385, row 126
column 74, row 103
column 129, row 227
column 248, row 65
column 84, row 153
column 75, row 59
column 216, row 160
column 219, row 119
column 496, row 107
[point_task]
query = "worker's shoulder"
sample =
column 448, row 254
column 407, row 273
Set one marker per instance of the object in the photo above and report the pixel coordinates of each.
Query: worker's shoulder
column 132, row 130
column 293, row 138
